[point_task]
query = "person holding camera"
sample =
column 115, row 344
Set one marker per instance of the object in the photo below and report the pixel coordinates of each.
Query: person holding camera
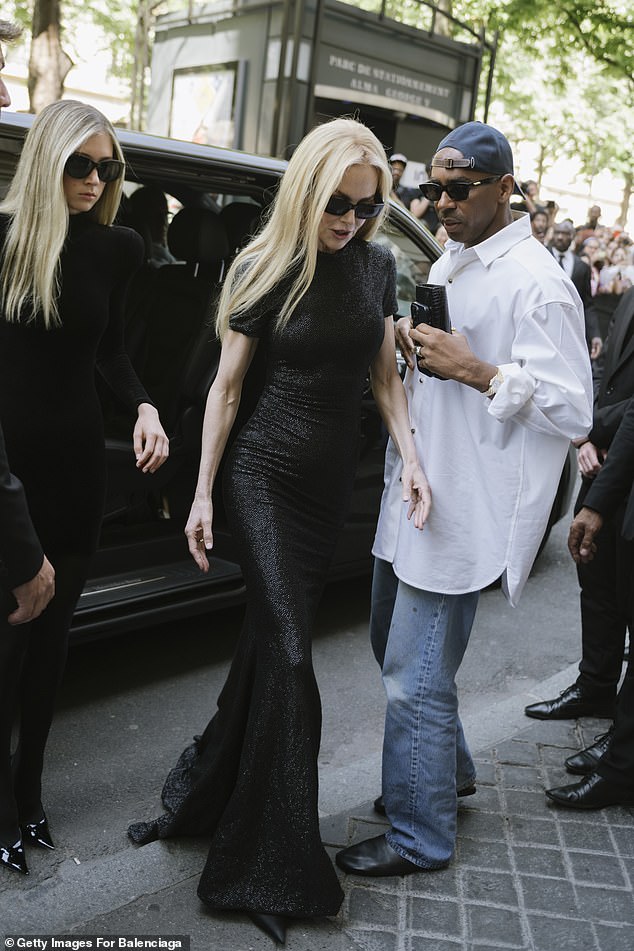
column 512, row 387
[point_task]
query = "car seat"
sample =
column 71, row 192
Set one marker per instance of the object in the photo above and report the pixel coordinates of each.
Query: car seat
column 241, row 219
column 169, row 331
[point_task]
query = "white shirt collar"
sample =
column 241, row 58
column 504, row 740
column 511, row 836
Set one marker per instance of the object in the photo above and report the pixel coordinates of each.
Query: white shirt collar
column 498, row 244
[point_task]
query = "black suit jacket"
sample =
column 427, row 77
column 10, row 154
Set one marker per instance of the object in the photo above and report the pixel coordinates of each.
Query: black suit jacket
column 21, row 554
column 580, row 277
column 614, row 375
column 613, row 484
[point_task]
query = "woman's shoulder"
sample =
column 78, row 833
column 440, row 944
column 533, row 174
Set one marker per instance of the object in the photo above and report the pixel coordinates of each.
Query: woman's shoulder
column 121, row 238
column 376, row 252
column 126, row 244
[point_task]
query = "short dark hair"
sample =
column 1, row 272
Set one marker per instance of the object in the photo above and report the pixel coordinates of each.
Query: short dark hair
column 9, row 31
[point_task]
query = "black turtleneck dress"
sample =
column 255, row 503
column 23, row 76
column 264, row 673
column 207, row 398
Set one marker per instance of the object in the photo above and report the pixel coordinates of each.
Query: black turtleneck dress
column 49, row 406
column 250, row 780
column 53, row 429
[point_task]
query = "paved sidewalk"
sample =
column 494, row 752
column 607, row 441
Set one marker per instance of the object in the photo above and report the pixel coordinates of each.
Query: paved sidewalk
column 527, row 875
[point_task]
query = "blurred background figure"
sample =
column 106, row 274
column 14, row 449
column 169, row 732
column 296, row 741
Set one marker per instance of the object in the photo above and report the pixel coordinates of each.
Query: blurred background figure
column 579, row 273
column 540, row 225
column 584, row 231
column 401, row 193
column 148, row 214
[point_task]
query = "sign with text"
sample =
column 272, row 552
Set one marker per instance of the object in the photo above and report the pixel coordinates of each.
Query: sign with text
column 342, row 75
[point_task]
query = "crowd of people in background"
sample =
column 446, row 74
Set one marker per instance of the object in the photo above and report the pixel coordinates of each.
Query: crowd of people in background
column 607, row 251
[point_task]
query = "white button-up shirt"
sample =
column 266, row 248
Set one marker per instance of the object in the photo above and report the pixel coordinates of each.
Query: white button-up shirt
column 493, row 464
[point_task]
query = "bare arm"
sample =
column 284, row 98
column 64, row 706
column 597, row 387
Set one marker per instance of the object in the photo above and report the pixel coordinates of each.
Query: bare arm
column 220, row 413
column 391, row 401
column 450, row 356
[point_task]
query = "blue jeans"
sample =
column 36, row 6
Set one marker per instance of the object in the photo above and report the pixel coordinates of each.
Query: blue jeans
column 419, row 639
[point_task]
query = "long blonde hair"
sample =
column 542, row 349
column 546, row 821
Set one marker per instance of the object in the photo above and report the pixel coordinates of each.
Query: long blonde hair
column 289, row 240
column 39, row 213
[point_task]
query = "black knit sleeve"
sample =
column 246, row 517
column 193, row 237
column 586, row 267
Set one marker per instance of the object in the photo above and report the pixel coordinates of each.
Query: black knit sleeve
column 112, row 360
column 21, row 554
column 390, row 302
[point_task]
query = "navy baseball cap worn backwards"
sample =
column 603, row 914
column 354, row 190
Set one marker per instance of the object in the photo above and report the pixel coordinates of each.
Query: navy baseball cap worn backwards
column 484, row 148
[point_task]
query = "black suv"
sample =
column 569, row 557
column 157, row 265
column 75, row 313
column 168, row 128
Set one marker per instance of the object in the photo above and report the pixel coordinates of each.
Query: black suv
column 143, row 573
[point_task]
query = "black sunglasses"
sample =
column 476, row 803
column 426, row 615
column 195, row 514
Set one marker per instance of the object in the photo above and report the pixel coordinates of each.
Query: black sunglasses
column 339, row 206
column 80, row 166
column 457, row 191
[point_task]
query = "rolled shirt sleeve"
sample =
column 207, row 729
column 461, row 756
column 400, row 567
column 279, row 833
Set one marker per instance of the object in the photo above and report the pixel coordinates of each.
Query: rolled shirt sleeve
column 548, row 386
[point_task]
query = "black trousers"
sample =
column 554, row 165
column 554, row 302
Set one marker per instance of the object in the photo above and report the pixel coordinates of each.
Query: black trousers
column 32, row 661
column 617, row 765
column 604, row 584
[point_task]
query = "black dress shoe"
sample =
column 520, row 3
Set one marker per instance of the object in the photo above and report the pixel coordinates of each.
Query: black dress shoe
column 593, row 792
column 379, row 805
column 13, row 858
column 374, row 857
column 586, row 761
column 570, row 704
column 37, row 833
column 272, row 925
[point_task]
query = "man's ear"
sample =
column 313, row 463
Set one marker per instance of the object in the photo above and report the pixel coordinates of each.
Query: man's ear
column 506, row 186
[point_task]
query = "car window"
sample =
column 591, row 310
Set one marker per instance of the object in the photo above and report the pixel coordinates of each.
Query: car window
column 413, row 262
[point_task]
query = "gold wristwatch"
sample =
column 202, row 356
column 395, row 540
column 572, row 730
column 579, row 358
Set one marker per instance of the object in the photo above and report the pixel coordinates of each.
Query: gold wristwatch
column 494, row 384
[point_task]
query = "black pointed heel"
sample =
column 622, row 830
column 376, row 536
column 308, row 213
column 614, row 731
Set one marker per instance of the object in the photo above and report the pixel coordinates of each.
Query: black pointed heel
column 37, row 833
column 272, row 925
column 13, row 858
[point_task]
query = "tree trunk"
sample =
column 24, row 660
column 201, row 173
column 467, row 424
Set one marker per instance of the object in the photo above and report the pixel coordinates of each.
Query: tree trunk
column 443, row 26
column 48, row 63
column 625, row 199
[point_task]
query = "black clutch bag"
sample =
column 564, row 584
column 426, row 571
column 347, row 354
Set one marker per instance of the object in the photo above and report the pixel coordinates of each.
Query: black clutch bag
column 430, row 307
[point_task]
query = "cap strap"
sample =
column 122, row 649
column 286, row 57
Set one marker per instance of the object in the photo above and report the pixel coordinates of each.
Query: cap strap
column 453, row 163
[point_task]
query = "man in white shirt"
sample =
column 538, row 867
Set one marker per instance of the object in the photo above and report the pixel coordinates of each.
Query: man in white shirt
column 493, row 436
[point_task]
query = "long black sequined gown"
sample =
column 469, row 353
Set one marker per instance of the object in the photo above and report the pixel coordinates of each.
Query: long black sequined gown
column 251, row 779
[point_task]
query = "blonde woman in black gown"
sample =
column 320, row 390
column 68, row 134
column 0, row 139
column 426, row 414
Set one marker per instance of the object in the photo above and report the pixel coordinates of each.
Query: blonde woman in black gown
column 63, row 277
column 315, row 291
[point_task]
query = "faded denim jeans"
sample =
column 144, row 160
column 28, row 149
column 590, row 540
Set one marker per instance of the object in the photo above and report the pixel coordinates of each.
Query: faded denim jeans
column 419, row 639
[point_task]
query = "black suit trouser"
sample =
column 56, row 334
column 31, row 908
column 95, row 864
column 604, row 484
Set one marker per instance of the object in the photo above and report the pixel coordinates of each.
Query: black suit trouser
column 617, row 765
column 604, row 584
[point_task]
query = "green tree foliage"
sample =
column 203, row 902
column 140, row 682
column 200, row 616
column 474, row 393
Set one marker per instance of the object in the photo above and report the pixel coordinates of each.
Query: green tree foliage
column 564, row 76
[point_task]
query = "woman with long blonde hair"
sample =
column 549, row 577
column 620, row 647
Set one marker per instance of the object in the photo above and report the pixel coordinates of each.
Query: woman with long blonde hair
column 319, row 295
column 63, row 275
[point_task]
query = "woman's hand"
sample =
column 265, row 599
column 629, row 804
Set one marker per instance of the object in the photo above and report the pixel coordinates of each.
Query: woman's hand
column 589, row 459
column 417, row 492
column 151, row 445
column 198, row 531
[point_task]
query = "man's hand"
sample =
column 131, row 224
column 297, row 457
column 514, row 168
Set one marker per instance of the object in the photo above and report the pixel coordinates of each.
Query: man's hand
column 596, row 346
column 34, row 595
column 450, row 356
column 582, row 533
